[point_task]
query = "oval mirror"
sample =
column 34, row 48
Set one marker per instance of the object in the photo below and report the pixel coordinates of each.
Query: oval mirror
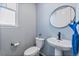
column 62, row 16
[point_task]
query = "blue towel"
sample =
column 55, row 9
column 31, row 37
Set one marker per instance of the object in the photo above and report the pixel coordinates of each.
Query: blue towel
column 73, row 27
column 75, row 39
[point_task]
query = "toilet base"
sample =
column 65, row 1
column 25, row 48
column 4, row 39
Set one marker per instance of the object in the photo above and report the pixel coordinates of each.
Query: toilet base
column 37, row 54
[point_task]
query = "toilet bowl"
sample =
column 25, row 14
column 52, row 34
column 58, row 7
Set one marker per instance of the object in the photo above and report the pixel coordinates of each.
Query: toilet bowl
column 34, row 50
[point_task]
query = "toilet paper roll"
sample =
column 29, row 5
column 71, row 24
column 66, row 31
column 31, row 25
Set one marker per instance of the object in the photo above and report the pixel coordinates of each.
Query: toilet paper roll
column 17, row 44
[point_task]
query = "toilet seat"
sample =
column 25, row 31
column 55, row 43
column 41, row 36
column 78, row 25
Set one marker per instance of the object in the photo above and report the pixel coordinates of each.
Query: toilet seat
column 31, row 51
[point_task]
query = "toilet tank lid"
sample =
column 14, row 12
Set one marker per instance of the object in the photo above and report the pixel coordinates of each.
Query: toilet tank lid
column 37, row 38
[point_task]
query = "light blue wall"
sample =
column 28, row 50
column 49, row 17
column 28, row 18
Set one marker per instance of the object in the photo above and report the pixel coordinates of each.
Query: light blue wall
column 44, row 27
column 24, row 33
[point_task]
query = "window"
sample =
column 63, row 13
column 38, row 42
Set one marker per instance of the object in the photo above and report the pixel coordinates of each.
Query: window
column 7, row 14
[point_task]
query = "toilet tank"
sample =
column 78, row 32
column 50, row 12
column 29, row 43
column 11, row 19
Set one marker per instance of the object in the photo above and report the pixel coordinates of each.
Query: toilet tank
column 39, row 42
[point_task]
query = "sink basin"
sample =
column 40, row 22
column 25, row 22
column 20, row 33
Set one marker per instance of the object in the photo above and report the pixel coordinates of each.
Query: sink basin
column 60, row 45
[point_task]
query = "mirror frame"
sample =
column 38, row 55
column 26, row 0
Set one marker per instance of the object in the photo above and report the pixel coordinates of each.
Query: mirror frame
column 61, row 7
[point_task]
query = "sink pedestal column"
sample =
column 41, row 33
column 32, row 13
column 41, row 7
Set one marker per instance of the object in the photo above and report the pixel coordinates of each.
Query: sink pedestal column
column 58, row 52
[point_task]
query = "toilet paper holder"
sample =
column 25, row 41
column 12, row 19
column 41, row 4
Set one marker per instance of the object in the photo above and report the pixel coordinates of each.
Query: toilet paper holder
column 15, row 44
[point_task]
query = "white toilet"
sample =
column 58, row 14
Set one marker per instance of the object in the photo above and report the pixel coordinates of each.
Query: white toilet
column 34, row 50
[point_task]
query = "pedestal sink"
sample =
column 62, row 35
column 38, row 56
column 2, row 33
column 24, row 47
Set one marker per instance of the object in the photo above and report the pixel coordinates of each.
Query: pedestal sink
column 59, row 45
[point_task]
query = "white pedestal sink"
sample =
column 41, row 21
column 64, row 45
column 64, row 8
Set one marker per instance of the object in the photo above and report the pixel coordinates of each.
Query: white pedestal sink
column 59, row 45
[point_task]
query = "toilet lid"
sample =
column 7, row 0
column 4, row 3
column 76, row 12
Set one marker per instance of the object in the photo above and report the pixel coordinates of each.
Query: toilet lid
column 31, row 51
